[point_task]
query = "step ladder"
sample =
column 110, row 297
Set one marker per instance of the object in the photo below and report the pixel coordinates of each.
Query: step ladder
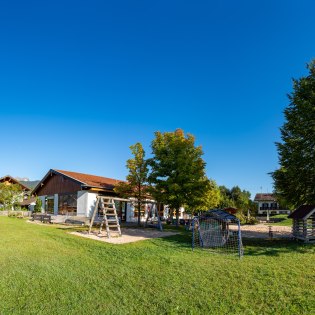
column 110, row 218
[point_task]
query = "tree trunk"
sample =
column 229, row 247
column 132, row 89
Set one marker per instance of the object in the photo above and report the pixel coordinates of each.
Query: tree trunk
column 177, row 217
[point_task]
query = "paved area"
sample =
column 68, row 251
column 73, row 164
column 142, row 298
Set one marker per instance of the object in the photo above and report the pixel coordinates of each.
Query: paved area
column 128, row 235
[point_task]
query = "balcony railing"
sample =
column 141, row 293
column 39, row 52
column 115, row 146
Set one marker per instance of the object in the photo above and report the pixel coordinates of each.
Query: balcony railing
column 271, row 208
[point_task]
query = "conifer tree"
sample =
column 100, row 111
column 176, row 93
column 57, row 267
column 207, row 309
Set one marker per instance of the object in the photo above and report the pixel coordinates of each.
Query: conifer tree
column 294, row 181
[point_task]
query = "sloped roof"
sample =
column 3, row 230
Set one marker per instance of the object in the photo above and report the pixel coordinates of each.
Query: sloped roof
column 91, row 180
column 27, row 202
column 11, row 179
column 265, row 197
column 302, row 212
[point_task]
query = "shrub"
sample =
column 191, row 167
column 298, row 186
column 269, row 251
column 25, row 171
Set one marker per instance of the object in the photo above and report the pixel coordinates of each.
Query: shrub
column 246, row 220
column 38, row 205
column 15, row 214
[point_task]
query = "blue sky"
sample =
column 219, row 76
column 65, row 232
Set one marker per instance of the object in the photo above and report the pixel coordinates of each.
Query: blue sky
column 80, row 81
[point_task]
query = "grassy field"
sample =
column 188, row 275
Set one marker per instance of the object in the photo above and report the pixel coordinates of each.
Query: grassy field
column 44, row 270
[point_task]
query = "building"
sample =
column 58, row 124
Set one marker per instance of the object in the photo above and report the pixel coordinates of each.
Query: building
column 267, row 204
column 25, row 200
column 71, row 194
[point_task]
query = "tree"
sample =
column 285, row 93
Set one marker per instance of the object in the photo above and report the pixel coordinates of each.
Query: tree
column 137, row 179
column 226, row 200
column 38, row 205
column 294, row 181
column 241, row 198
column 10, row 195
column 210, row 199
column 177, row 170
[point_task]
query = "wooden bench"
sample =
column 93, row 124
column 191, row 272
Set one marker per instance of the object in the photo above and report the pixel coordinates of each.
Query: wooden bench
column 45, row 218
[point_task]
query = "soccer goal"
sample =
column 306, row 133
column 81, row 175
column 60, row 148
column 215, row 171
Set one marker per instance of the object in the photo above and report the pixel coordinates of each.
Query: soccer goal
column 217, row 231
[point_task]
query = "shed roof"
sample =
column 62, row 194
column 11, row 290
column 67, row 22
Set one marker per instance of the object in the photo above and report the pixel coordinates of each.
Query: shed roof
column 222, row 215
column 302, row 212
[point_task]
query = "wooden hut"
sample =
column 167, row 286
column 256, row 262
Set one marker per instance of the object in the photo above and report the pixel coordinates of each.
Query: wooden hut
column 304, row 223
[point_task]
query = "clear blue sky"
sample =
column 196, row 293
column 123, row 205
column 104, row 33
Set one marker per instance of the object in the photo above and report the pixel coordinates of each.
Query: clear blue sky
column 80, row 81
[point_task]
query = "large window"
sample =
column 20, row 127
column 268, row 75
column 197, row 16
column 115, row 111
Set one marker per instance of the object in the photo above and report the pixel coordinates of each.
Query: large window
column 49, row 206
column 67, row 204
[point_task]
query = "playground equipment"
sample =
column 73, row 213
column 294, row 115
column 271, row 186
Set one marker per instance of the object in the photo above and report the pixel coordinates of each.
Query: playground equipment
column 107, row 208
column 218, row 231
column 153, row 217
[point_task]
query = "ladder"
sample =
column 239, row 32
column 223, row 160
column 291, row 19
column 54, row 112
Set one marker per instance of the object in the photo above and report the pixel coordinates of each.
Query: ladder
column 110, row 218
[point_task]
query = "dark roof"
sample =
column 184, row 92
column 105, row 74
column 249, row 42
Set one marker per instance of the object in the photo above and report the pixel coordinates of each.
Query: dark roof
column 230, row 210
column 302, row 212
column 217, row 213
column 265, row 197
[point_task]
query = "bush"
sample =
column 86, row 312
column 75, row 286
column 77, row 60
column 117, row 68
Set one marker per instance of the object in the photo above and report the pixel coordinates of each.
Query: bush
column 246, row 220
column 251, row 220
column 15, row 214
column 38, row 205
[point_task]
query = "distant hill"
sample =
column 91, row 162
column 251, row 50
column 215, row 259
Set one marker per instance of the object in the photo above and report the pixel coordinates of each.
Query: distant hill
column 29, row 183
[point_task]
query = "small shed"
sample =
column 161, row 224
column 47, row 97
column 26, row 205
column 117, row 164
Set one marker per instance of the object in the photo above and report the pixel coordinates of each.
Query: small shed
column 304, row 223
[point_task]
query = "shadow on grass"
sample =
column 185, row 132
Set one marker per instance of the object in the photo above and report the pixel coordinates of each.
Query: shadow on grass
column 275, row 247
column 252, row 246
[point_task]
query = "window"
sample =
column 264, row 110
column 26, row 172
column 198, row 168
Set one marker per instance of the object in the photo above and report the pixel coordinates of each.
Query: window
column 49, row 206
column 67, row 204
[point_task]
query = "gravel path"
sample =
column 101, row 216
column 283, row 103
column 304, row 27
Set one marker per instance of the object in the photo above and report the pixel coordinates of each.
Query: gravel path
column 128, row 235
column 262, row 231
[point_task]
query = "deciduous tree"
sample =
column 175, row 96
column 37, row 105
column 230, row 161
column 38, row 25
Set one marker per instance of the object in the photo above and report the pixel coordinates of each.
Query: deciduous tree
column 177, row 170
column 10, row 195
column 137, row 178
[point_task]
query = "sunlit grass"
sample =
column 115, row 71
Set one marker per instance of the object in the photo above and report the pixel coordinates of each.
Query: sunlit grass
column 45, row 270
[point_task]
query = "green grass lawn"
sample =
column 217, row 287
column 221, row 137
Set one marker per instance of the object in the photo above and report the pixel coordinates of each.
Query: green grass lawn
column 44, row 270
column 284, row 220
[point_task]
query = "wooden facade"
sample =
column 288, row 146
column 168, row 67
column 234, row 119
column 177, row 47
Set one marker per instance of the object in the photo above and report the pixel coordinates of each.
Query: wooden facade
column 57, row 184
column 304, row 223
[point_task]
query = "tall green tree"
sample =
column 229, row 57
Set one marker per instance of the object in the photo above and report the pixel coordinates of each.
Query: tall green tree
column 241, row 198
column 210, row 199
column 177, row 170
column 137, row 178
column 10, row 195
column 295, row 178
column 226, row 200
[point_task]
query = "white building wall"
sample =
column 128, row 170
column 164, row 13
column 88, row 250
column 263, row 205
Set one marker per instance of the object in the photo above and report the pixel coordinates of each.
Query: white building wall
column 91, row 201
column 82, row 202
column 86, row 203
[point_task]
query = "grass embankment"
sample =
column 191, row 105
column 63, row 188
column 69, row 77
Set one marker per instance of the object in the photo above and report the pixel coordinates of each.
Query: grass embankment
column 44, row 270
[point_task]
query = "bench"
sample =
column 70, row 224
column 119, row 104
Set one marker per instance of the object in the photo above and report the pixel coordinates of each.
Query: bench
column 45, row 218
